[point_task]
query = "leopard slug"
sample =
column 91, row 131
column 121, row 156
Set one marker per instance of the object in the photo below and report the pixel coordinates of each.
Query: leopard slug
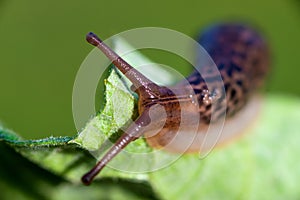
column 177, row 118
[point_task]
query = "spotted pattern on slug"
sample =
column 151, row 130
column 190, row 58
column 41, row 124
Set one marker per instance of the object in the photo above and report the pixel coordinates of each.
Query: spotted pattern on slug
column 241, row 56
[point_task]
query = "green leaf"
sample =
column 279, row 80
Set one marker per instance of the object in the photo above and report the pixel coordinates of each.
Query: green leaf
column 118, row 110
column 54, row 154
column 262, row 165
column 21, row 179
column 71, row 157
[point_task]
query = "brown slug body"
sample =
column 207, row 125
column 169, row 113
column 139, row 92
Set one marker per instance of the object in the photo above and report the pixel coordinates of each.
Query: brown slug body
column 177, row 118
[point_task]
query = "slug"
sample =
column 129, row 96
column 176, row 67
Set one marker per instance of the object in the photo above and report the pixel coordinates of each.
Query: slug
column 177, row 118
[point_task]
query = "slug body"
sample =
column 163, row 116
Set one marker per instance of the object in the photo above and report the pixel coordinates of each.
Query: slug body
column 242, row 58
column 178, row 118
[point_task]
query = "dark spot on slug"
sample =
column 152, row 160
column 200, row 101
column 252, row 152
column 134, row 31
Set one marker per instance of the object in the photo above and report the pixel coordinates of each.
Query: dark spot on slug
column 235, row 67
column 197, row 91
column 235, row 101
column 239, row 83
column 226, row 86
column 232, row 93
column 221, row 66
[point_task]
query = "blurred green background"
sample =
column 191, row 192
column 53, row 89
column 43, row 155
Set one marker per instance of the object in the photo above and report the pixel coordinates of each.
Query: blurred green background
column 42, row 46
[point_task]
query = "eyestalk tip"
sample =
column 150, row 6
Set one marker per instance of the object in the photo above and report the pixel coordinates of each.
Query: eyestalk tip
column 86, row 179
column 93, row 39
